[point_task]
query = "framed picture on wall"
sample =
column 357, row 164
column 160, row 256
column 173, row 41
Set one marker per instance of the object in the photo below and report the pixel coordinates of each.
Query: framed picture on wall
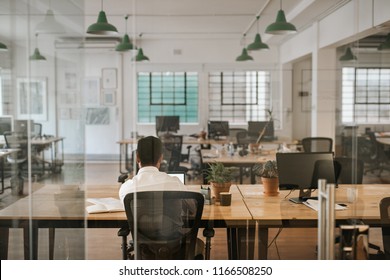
column 109, row 78
column 31, row 98
column 109, row 96
column 91, row 91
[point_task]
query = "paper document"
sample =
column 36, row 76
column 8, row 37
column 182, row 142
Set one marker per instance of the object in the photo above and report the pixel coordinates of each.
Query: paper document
column 104, row 205
column 313, row 204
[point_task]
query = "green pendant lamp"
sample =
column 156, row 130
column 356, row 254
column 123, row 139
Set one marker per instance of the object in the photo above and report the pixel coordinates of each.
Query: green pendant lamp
column 125, row 44
column 257, row 44
column 102, row 27
column 140, row 55
column 386, row 44
column 3, row 47
column 280, row 26
column 244, row 56
column 37, row 55
column 49, row 25
column 348, row 56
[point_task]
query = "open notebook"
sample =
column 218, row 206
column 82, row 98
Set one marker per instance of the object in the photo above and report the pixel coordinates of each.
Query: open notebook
column 313, row 204
column 104, row 205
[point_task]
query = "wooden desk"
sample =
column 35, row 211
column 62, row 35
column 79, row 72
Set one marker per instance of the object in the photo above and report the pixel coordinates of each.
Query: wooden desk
column 56, row 206
column 278, row 211
column 383, row 140
column 211, row 156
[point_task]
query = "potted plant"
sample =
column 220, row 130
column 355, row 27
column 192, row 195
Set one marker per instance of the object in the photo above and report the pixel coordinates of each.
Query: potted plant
column 220, row 178
column 268, row 172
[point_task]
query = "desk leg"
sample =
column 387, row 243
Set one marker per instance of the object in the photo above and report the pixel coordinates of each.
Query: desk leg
column 240, row 243
column 263, row 242
column 208, row 232
column 52, row 232
column 4, row 239
column 30, row 241
column 231, row 234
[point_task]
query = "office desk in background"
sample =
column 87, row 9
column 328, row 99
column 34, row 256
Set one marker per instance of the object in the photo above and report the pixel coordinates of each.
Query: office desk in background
column 247, row 161
column 59, row 206
column 128, row 145
column 279, row 212
column 55, row 145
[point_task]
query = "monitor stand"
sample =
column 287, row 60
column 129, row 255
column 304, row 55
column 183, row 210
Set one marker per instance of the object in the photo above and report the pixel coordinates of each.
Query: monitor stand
column 304, row 194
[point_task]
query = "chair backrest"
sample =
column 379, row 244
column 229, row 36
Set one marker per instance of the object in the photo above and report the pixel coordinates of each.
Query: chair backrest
column 164, row 224
column 317, row 144
column 16, row 141
column 384, row 207
column 243, row 138
column 351, row 170
column 172, row 146
column 37, row 129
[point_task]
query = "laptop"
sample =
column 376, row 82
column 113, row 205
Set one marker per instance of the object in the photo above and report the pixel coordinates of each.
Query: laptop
column 178, row 174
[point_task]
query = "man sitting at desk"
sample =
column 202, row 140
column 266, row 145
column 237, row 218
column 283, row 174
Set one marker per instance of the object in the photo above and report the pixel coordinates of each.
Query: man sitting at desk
column 149, row 157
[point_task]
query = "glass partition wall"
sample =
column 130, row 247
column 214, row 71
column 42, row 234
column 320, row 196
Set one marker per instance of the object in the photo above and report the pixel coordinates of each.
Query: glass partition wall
column 78, row 107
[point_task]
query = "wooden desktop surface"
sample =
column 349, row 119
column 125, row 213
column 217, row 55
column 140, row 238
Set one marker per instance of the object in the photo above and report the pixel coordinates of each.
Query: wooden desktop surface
column 64, row 206
column 279, row 212
column 68, row 202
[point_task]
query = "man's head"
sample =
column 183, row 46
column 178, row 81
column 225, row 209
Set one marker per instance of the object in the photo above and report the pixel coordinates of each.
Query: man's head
column 149, row 151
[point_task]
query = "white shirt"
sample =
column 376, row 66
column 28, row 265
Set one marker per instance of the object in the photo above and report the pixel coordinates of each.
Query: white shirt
column 149, row 178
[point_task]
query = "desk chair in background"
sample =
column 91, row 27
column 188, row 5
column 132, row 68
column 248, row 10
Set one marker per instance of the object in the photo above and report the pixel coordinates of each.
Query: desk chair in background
column 379, row 158
column 317, row 144
column 161, row 226
column 350, row 170
column 18, row 159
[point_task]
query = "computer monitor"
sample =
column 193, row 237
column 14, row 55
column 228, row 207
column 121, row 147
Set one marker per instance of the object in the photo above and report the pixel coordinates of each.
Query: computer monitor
column 167, row 124
column 21, row 127
column 255, row 128
column 6, row 124
column 301, row 171
column 218, row 129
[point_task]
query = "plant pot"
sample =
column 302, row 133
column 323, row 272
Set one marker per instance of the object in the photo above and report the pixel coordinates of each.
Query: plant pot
column 271, row 186
column 254, row 148
column 217, row 188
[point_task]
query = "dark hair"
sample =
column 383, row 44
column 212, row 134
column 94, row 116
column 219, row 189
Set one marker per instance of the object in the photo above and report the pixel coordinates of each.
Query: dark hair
column 149, row 150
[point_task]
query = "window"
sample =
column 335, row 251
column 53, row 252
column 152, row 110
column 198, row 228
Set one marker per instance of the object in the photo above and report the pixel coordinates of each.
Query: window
column 239, row 96
column 365, row 95
column 167, row 94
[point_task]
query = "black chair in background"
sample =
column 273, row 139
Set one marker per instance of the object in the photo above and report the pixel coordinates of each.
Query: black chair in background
column 351, row 170
column 379, row 158
column 17, row 159
column 317, row 144
column 163, row 224
column 37, row 130
column 243, row 139
column 384, row 208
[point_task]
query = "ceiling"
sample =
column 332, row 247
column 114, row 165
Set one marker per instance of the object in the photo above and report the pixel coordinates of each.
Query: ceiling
column 172, row 19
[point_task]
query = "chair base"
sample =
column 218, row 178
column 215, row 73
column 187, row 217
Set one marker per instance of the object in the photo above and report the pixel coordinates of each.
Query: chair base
column 17, row 185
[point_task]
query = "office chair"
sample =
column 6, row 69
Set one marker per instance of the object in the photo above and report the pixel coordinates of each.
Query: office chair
column 351, row 170
column 384, row 208
column 37, row 130
column 18, row 159
column 317, row 144
column 243, row 139
column 378, row 158
column 163, row 224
